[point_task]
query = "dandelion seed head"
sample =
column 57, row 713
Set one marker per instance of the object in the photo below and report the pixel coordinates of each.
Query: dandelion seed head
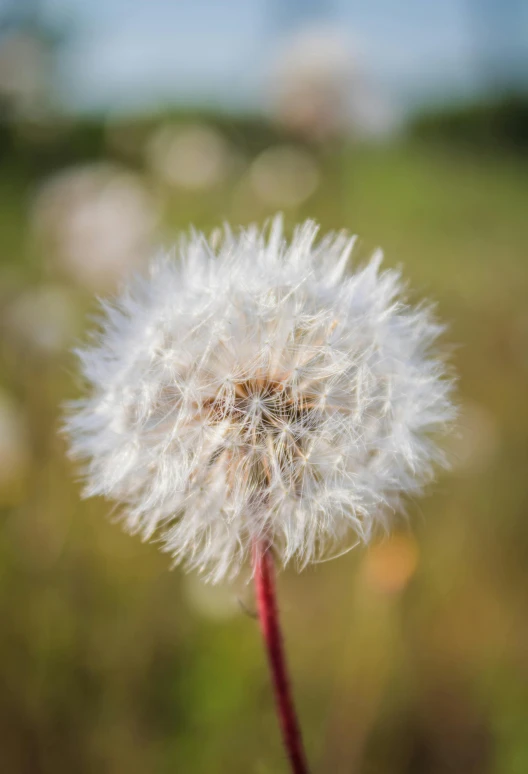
column 252, row 389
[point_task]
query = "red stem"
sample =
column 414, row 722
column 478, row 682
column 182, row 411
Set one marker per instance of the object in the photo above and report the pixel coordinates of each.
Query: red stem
column 269, row 623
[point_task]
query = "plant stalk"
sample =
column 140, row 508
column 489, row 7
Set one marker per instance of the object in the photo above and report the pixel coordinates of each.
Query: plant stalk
column 263, row 574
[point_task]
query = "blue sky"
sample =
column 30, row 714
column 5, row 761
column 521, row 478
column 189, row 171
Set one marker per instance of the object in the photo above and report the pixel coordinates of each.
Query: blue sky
column 127, row 54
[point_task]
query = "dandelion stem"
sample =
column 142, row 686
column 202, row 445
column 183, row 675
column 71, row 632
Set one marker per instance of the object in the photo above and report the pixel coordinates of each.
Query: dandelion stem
column 269, row 623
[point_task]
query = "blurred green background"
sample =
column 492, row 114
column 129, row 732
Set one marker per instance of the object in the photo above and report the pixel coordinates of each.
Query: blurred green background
column 409, row 657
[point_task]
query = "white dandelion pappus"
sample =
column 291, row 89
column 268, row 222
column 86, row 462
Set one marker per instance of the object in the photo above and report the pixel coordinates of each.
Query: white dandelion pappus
column 250, row 389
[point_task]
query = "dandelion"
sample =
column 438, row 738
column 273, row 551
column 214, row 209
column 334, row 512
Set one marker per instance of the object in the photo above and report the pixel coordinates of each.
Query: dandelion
column 284, row 176
column 97, row 221
column 193, row 157
column 252, row 397
column 311, row 83
column 15, row 452
column 43, row 319
column 320, row 89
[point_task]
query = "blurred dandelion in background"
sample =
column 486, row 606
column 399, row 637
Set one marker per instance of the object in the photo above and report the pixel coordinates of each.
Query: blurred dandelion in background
column 97, row 222
column 319, row 92
column 284, row 176
column 15, row 454
column 389, row 566
column 311, row 83
column 477, row 440
column 45, row 318
column 215, row 603
column 24, row 74
column 192, row 157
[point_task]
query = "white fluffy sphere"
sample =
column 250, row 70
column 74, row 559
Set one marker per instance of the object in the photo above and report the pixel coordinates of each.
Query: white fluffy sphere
column 250, row 389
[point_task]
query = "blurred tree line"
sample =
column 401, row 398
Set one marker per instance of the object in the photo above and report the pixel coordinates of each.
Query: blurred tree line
column 499, row 124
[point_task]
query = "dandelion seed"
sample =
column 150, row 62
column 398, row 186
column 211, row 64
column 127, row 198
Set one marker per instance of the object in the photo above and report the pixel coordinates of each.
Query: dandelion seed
column 250, row 395
column 258, row 392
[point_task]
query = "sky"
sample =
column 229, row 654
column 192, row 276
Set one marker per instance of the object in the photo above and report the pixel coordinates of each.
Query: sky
column 127, row 55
